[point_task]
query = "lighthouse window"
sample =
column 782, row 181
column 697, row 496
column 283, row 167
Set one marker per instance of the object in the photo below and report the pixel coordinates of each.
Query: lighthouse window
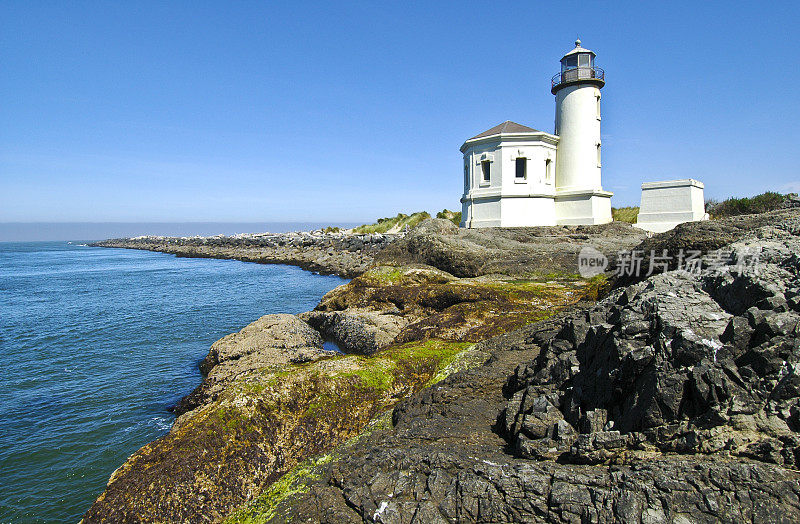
column 570, row 62
column 485, row 168
column 583, row 60
column 466, row 176
column 598, row 155
column 548, row 171
column 522, row 164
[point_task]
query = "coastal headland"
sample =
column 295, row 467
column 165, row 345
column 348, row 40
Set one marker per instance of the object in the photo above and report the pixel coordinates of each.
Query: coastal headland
column 481, row 379
column 326, row 253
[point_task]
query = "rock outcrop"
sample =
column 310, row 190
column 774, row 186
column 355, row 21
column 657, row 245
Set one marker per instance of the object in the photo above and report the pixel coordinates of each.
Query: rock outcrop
column 510, row 251
column 704, row 237
column 673, row 399
column 271, row 342
column 408, row 303
column 273, row 397
column 446, row 461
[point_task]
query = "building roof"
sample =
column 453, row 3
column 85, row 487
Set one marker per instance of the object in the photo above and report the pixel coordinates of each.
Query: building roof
column 579, row 49
column 506, row 127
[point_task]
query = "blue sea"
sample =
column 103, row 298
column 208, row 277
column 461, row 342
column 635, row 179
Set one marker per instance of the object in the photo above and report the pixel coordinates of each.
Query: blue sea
column 97, row 344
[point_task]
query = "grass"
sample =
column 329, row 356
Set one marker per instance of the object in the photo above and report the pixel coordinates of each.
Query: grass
column 398, row 223
column 453, row 216
column 625, row 214
column 762, row 203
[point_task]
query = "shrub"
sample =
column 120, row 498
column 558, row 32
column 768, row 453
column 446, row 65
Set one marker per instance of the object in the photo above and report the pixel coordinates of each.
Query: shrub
column 625, row 214
column 453, row 216
column 397, row 223
column 762, row 203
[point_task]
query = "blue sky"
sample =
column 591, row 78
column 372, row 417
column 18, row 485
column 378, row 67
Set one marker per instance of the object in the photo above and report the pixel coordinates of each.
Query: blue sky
column 347, row 111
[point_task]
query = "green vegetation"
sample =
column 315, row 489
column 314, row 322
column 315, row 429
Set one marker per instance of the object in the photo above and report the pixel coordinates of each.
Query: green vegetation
column 394, row 224
column 762, row 203
column 392, row 275
column 377, row 377
column 432, row 352
column 262, row 509
column 383, row 275
column 625, row 214
column 375, row 381
column 467, row 359
column 597, row 287
column 331, row 229
column 453, row 216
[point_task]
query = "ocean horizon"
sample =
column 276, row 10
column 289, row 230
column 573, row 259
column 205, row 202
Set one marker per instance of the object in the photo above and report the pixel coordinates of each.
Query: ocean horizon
column 93, row 231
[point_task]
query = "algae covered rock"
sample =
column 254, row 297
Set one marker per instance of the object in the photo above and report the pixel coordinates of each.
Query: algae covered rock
column 417, row 302
column 676, row 399
column 249, row 425
column 269, row 342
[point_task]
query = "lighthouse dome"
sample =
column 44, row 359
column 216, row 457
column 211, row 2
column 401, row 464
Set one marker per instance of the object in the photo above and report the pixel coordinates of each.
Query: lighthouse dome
column 579, row 49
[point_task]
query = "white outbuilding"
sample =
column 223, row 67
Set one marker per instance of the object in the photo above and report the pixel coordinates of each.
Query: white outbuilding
column 517, row 176
column 668, row 203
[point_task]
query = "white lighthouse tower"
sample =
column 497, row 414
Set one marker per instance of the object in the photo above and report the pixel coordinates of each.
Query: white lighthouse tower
column 580, row 198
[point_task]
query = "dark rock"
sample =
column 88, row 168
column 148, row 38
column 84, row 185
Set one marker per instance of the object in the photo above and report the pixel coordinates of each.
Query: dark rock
column 665, row 359
column 443, row 464
column 737, row 335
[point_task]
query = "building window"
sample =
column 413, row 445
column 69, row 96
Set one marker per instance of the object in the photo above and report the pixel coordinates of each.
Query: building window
column 597, row 97
column 548, row 172
column 486, row 166
column 598, row 155
column 522, row 168
column 466, row 176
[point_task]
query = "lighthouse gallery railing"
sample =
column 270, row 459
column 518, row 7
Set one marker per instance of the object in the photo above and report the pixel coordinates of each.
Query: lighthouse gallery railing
column 577, row 73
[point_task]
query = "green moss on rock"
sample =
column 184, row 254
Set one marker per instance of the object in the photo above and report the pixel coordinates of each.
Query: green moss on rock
column 295, row 481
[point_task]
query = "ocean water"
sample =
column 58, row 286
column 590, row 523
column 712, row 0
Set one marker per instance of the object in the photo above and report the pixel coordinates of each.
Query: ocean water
column 97, row 344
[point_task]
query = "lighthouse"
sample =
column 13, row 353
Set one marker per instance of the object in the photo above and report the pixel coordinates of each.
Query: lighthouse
column 580, row 198
column 517, row 176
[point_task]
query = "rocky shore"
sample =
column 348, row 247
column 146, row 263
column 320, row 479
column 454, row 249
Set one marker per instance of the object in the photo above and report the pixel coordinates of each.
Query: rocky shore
column 482, row 381
column 343, row 254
